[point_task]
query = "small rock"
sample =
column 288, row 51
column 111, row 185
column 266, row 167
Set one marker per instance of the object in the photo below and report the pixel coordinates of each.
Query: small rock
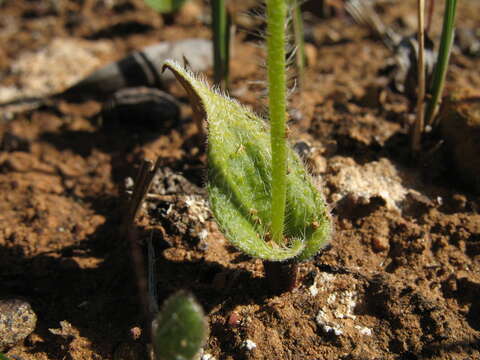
column 360, row 184
column 17, row 321
column 234, row 319
column 135, row 332
column 54, row 67
column 313, row 289
column 364, row 330
column 207, row 356
column 311, row 54
column 459, row 202
column 328, row 326
column 380, row 243
column 66, row 330
column 249, row 345
column 303, row 149
column 141, row 107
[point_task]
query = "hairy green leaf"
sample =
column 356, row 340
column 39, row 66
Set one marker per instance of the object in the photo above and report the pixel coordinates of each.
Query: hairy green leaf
column 239, row 180
column 180, row 329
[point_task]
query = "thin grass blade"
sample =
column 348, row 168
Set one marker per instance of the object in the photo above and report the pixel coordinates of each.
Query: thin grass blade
column 441, row 67
column 221, row 42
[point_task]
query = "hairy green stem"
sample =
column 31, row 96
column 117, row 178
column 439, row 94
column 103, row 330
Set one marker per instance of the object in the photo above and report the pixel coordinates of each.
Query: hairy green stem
column 221, row 37
column 443, row 58
column 276, row 17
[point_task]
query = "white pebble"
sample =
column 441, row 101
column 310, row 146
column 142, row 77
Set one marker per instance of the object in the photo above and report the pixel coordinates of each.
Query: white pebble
column 203, row 234
column 364, row 330
column 313, row 289
column 249, row 345
column 328, row 326
column 129, row 183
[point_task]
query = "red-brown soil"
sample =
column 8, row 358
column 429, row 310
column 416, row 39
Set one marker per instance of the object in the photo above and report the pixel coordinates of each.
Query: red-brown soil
column 400, row 279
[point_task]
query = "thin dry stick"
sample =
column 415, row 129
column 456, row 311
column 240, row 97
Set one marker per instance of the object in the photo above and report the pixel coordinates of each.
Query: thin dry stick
column 419, row 123
column 431, row 6
column 142, row 183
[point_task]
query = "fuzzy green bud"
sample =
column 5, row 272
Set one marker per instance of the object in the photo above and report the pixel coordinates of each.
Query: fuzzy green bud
column 180, row 329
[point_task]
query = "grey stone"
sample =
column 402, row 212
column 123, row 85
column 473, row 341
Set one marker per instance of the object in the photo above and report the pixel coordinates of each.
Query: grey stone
column 17, row 321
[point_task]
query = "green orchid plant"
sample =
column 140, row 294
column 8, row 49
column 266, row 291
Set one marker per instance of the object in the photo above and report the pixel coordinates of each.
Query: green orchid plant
column 260, row 193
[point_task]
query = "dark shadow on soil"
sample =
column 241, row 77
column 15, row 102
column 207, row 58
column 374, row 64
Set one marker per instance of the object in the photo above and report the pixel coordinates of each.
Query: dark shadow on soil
column 121, row 30
column 349, row 208
column 465, row 292
column 84, row 142
column 212, row 283
column 58, row 289
column 433, row 351
column 117, row 141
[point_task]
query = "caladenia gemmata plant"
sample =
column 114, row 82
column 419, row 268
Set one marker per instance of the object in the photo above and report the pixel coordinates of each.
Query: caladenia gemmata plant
column 260, row 193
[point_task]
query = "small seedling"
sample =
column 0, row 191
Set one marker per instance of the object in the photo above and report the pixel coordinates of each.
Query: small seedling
column 260, row 193
column 165, row 6
column 180, row 329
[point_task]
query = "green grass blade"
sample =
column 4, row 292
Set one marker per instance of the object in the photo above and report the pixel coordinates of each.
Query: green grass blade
column 298, row 34
column 165, row 6
column 440, row 72
column 221, row 42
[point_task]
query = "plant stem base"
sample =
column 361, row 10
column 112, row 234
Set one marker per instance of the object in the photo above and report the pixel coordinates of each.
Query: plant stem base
column 281, row 276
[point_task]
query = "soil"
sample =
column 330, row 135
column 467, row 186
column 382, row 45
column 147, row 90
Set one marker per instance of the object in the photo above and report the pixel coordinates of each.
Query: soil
column 400, row 278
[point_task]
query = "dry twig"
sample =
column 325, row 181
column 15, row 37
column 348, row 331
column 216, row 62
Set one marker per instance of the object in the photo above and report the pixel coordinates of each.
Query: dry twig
column 142, row 184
